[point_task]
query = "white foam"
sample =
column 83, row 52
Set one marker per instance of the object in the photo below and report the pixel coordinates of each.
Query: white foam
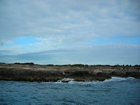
column 117, row 79
column 65, row 80
column 112, row 79
column 84, row 82
column 72, row 81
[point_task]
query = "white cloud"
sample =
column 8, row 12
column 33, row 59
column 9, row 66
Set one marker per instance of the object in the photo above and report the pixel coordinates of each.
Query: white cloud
column 97, row 54
column 69, row 25
column 45, row 18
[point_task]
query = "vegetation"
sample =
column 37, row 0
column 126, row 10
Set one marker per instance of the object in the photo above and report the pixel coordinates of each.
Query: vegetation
column 27, row 63
column 76, row 65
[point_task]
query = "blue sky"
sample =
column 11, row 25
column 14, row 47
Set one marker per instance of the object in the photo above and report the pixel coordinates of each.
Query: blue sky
column 70, row 31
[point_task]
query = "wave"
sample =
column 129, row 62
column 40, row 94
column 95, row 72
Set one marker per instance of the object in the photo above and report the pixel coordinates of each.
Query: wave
column 65, row 80
column 112, row 79
column 118, row 79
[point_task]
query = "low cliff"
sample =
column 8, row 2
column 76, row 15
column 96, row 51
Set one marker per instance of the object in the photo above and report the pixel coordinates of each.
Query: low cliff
column 53, row 73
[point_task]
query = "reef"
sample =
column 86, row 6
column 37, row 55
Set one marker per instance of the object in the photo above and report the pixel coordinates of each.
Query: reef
column 52, row 73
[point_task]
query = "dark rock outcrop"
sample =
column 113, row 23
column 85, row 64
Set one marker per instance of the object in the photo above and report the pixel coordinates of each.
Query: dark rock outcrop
column 55, row 73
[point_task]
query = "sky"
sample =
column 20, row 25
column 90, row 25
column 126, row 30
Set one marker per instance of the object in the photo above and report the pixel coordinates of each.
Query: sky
column 70, row 31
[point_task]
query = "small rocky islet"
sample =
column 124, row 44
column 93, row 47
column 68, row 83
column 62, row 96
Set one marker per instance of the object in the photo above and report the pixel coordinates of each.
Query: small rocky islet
column 53, row 73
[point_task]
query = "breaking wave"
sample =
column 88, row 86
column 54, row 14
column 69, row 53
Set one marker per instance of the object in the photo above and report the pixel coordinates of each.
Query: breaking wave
column 112, row 79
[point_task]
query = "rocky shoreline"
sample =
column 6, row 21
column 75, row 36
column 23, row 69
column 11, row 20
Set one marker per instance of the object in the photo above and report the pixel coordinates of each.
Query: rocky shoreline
column 53, row 73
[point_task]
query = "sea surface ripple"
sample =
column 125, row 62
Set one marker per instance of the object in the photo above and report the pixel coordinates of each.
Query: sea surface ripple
column 114, row 91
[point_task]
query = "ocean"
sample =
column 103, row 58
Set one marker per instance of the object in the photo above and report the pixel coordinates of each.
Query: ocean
column 114, row 91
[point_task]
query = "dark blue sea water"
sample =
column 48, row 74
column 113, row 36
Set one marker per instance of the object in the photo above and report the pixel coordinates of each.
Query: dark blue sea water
column 115, row 91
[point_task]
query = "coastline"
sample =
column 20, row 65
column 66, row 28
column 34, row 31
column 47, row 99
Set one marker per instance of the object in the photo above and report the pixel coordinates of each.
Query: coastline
column 54, row 73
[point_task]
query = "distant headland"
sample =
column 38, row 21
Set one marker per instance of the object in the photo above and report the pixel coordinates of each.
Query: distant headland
column 52, row 73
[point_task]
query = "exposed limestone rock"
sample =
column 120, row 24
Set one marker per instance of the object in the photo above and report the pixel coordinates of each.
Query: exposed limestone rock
column 39, row 73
